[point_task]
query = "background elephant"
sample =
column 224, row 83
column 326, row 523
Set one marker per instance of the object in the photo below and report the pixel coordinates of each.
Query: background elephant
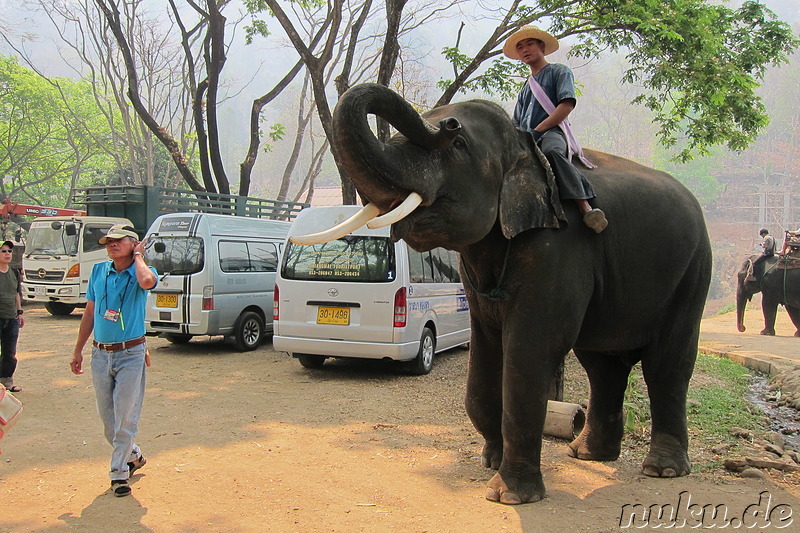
column 539, row 282
column 777, row 286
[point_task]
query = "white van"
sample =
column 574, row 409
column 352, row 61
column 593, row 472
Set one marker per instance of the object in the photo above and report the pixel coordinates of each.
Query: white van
column 216, row 274
column 363, row 296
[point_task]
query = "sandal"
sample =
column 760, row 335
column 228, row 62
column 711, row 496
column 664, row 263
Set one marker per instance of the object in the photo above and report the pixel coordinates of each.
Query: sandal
column 14, row 388
column 136, row 465
column 120, row 487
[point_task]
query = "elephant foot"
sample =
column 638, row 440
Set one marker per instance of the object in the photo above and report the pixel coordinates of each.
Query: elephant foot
column 667, row 460
column 767, row 332
column 511, row 490
column 492, row 455
column 588, row 448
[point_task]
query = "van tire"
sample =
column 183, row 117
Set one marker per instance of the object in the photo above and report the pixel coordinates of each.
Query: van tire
column 177, row 338
column 59, row 308
column 423, row 363
column 249, row 331
column 311, row 361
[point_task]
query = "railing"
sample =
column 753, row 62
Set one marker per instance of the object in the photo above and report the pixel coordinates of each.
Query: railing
column 146, row 202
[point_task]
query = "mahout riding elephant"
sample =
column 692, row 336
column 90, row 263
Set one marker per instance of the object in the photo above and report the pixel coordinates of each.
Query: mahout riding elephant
column 538, row 281
column 778, row 285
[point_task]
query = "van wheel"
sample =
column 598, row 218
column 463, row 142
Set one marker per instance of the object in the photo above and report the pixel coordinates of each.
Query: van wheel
column 427, row 347
column 177, row 338
column 249, row 331
column 311, row 361
column 59, row 308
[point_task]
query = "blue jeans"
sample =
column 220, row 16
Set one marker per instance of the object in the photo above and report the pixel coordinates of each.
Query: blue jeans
column 119, row 382
column 9, row 332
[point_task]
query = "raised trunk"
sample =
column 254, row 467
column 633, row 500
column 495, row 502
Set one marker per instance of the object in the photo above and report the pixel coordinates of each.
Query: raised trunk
column 386, row 172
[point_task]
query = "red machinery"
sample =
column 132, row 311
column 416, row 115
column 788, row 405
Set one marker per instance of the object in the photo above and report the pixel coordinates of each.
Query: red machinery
column 8, row 208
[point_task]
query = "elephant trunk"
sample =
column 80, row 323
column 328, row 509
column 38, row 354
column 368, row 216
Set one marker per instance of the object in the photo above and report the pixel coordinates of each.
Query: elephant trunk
column 385, row 173
column 742, row 297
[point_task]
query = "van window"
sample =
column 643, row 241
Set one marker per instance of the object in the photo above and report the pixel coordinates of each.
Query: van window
column 182, row 255
column 93, row 233
column 437, row 266
column 351, row 258
column 248, row 257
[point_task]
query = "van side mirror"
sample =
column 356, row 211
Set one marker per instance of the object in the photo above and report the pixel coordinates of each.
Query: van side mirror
column 70, row 229
column 56, row 225
column 160, row 247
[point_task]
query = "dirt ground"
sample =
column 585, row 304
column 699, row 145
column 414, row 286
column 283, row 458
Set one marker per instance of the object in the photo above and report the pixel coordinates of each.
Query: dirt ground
column 254, row 442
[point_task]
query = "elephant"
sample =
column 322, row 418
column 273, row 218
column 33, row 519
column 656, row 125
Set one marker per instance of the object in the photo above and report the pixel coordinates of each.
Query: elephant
column 777, row 286
column 539, row 282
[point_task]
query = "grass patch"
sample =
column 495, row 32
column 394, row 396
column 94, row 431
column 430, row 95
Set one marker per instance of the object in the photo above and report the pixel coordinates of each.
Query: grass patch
column 726, row 309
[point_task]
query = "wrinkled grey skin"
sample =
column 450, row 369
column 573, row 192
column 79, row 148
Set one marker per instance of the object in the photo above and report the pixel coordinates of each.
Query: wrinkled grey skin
column 632, row 293
column 777, row 287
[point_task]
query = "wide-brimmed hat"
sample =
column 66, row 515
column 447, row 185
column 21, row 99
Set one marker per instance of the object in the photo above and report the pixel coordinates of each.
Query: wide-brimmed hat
column 529, row 32
column 119, row 231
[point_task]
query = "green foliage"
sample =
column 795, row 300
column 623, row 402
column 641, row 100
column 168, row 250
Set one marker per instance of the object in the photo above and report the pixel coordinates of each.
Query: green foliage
column 276, row 132
column 698, row 175
column 52, row 136
column 636, row 406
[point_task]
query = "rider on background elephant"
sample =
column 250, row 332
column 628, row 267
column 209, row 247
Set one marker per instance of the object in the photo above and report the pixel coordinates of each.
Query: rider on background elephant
column 542, row 108
column 768, row 250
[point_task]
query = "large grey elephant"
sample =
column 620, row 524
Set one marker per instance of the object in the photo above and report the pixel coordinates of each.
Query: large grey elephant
column 538, row 281
column 778, row 286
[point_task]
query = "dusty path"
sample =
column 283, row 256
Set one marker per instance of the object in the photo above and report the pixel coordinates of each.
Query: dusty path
column 254, row 442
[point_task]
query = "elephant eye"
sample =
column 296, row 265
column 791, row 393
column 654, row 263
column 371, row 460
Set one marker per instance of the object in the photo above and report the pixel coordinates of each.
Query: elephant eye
column 459, row 142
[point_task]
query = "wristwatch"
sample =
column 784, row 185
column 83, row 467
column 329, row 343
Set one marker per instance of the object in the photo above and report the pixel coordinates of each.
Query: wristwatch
column 19, row 312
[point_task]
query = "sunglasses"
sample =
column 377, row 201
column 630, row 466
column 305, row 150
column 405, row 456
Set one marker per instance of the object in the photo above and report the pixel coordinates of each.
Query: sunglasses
column 6, row 251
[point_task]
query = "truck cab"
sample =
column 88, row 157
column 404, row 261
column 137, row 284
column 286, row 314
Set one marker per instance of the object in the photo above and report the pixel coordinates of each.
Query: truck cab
column 58, row 260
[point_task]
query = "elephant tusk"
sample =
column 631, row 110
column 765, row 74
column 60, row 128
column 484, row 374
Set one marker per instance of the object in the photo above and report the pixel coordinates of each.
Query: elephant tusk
column 398, row 213
column 367, row 213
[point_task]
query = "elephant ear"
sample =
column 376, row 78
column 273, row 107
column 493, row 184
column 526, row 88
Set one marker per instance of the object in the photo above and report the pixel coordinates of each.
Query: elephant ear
column 529, row 197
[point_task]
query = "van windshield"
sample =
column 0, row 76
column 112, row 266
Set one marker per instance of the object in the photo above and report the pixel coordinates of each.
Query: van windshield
column 180, row 255
column 351, row 258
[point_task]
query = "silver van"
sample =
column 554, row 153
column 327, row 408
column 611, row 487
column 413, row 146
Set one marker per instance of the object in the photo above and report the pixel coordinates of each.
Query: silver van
column 216, row 274
column 363, row 296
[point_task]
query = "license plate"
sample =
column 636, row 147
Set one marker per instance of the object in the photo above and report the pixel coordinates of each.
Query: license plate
column 40, row 290
column 338, row 316
column 166, row 300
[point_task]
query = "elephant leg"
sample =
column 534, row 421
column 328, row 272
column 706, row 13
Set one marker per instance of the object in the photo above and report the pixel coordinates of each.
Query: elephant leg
column 667, row 366
column 484, row 402
column 794, row 314
column 769, row 306
column 601, row 437
column 525, row 389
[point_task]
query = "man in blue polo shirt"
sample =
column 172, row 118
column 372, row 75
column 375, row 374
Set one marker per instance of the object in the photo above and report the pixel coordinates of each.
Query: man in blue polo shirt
column 115, row 309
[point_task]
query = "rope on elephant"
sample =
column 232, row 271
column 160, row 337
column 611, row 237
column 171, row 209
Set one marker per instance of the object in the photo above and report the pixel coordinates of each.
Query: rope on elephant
column 498, row 293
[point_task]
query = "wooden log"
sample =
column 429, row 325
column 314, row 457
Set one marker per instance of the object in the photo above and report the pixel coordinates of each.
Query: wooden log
column 564, row 420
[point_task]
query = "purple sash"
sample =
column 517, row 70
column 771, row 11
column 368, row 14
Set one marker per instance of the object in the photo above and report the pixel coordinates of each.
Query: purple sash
column 572, row 143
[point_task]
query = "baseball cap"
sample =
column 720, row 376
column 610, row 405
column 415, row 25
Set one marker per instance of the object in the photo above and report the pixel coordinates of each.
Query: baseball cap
column 118, row 231
column 9, row 244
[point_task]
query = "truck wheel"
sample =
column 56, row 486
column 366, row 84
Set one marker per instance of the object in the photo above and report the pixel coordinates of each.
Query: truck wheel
column 311, row 361
column 423, row 363
column 59, row 308
column 177, row 338
column 249, row 331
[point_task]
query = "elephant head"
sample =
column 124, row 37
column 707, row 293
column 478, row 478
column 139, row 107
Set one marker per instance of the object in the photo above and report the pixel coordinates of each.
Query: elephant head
column 452, row 181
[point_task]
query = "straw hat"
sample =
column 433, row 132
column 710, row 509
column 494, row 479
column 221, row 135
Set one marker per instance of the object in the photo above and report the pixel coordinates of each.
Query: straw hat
column 529, row 32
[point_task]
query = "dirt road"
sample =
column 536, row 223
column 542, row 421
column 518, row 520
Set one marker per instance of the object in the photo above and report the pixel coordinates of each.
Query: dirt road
column 254, row 442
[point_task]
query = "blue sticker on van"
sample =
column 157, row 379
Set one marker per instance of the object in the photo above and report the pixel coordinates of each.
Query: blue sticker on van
column 422, row 305
column 462, row 304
